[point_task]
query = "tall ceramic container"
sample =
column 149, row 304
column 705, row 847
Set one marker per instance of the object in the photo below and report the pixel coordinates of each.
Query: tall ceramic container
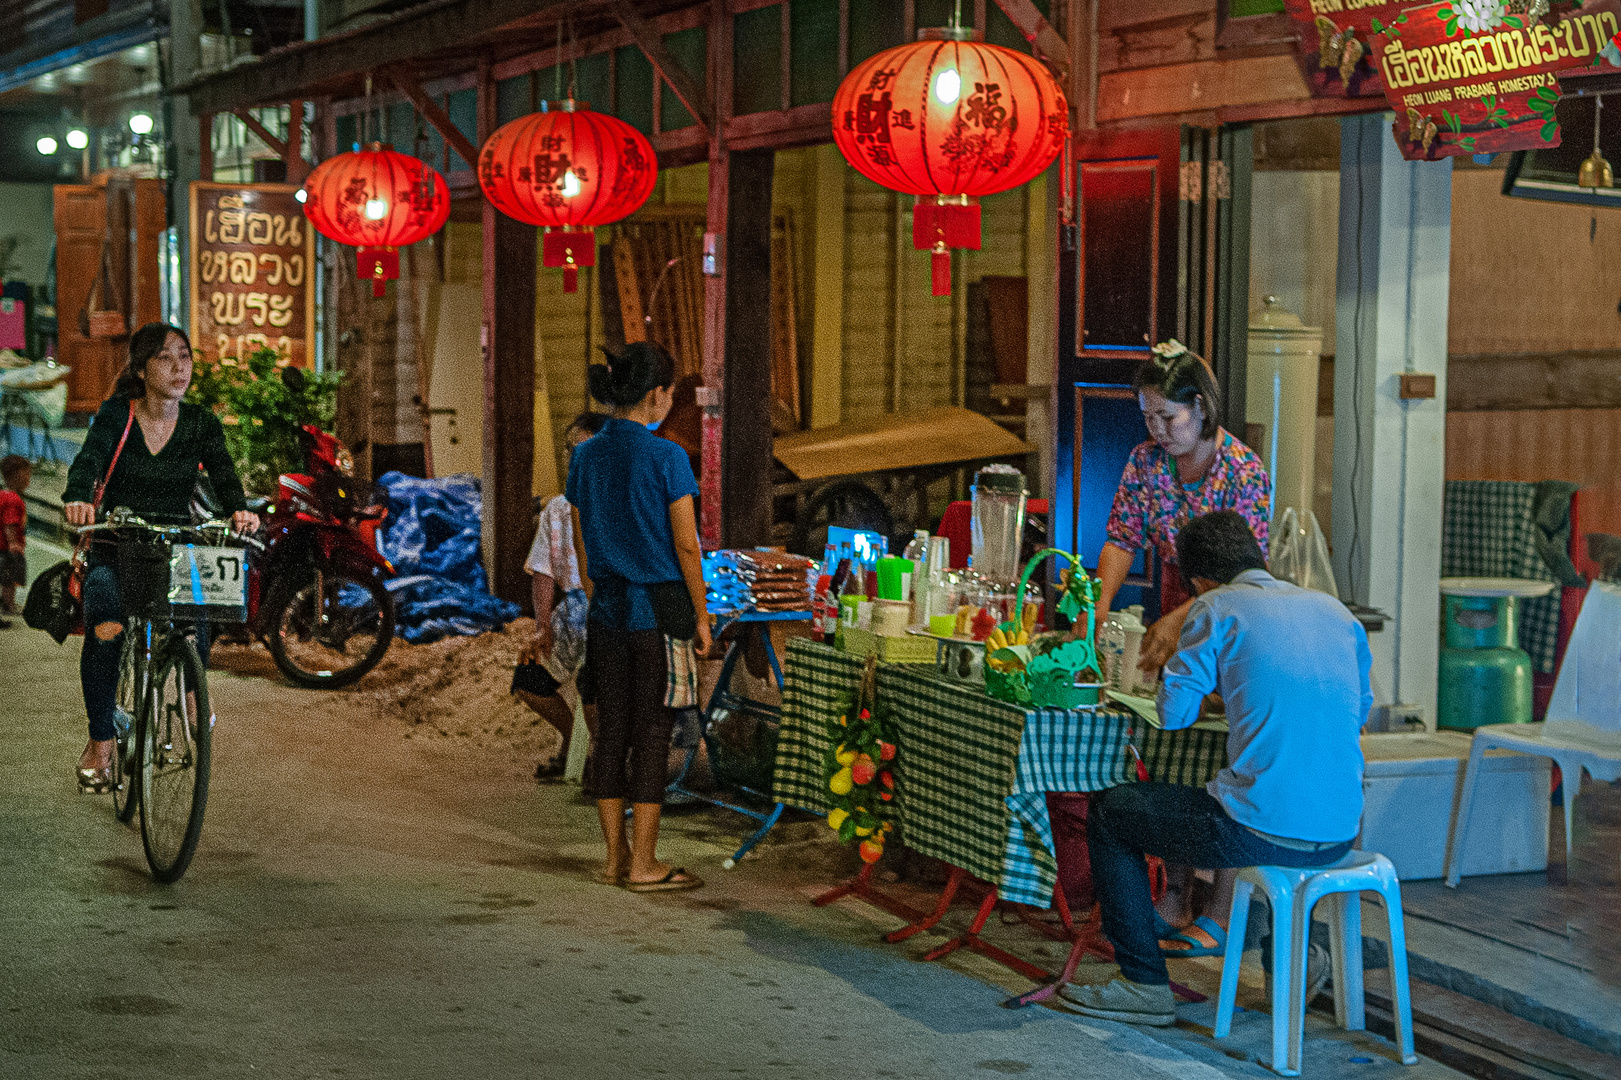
column 1281, row 396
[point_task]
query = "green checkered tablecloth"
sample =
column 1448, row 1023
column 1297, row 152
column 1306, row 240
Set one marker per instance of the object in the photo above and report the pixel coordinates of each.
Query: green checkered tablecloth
column 973, row 772
column 1488, row 530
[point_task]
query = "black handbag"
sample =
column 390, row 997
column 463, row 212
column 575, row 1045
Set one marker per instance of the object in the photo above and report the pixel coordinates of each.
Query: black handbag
column 51, row 605
column 672, row 609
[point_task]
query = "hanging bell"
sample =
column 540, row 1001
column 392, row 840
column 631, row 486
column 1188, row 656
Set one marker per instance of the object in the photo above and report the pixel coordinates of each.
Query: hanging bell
column 1595, row 172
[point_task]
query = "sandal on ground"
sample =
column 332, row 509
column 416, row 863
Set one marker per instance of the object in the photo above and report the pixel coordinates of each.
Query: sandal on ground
column 677, row 878
column 95, row 781
column 551, row 771
column 1195, row 946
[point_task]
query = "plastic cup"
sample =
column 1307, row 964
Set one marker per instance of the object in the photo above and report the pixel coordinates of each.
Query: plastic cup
column 943, row 625
column 892, row 574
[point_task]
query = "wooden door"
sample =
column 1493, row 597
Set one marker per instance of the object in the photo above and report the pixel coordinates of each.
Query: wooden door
column 1158, row 249
column 80, row 212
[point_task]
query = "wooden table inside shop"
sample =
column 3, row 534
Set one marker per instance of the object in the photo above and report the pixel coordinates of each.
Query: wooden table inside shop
column 971, row 779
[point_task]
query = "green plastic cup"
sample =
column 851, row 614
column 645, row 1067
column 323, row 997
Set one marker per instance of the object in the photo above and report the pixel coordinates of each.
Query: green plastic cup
column 943, row 625
column 893, row 574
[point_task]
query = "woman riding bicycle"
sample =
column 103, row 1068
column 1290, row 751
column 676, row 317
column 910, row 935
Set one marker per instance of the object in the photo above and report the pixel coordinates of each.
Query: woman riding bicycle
column 164, row 442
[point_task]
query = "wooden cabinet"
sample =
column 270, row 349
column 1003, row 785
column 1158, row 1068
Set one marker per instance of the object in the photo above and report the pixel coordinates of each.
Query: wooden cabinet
column 126, row 218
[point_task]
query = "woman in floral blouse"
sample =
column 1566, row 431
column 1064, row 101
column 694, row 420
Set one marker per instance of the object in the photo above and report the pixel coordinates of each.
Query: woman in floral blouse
column 1192, row 466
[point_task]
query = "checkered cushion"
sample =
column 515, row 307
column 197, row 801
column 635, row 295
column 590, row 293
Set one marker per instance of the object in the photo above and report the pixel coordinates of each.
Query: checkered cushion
column 1487, row 530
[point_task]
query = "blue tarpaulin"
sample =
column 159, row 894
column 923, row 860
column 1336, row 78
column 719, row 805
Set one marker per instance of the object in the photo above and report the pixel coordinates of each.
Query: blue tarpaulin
column 432, row 538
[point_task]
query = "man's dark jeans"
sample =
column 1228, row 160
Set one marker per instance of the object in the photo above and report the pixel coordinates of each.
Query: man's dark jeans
column 1183, row 825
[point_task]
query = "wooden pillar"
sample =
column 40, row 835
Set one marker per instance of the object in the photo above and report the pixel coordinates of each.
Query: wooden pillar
column 712, row 394
column 205, row 129
column 297, row 167
column 746, row 441
column 507, row 340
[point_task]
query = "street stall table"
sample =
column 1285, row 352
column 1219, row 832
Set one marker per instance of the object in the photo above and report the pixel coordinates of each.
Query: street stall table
column 973, row 773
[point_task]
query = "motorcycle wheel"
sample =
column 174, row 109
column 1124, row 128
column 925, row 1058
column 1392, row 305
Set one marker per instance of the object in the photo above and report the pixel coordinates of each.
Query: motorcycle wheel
column 327, row 636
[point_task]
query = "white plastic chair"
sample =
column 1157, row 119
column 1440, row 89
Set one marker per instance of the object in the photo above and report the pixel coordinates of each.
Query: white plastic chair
column 1292, row 894
column 1583, row 728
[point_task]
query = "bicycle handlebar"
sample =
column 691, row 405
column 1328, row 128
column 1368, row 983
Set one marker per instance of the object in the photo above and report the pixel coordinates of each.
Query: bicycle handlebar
column 120, row 518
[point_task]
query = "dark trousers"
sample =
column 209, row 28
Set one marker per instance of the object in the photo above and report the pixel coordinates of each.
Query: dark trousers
column 1184, row 826
column 627, row 671
column 1067, row 812
column 98, row 663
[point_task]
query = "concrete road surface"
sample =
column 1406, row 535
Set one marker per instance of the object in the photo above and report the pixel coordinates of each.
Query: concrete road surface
column 365, row 905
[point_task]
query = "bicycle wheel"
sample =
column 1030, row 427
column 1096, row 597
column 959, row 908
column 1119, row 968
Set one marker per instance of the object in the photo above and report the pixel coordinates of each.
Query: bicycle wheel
column 126, row 774
column 328, row 630
column 174, row 734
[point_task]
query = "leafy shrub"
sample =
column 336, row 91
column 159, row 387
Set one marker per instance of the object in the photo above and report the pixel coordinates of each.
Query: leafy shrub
column 262, row 414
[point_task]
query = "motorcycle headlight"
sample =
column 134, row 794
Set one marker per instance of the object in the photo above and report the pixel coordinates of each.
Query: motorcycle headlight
column 346, row 462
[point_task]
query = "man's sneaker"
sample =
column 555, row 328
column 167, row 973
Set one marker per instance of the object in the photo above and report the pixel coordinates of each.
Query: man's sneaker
column 1125, row 1001
column 1317, row 968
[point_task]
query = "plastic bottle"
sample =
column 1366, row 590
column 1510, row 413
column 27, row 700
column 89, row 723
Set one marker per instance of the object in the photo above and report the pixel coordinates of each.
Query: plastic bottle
column 1111, row 646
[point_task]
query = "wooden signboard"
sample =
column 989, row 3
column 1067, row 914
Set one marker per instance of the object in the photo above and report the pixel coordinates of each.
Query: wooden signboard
column 1339, row 39
column 1464, row 85
column 252, row 272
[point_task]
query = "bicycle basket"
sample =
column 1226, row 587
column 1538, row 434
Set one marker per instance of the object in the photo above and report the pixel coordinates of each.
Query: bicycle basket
column 182, row 582
column 143, row 578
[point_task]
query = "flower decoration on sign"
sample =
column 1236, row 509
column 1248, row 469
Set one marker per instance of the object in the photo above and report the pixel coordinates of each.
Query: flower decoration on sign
column 1170, row 350
column 858, row 769
column 1476, row 16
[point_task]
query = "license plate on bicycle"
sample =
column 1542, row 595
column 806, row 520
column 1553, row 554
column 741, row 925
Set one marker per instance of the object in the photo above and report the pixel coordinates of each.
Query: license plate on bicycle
column 208, row 583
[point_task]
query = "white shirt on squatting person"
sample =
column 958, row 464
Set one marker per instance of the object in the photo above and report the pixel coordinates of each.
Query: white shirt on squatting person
column 1292, row 667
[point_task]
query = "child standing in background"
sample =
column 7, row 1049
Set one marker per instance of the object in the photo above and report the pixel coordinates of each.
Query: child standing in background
column 17, row 471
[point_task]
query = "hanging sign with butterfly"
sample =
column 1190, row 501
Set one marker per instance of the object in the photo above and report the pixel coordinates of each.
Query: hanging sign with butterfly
column 1469, row 77
column 1339, row 38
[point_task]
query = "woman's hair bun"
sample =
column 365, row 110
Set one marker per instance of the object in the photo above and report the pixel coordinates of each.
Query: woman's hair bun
column 627, row 378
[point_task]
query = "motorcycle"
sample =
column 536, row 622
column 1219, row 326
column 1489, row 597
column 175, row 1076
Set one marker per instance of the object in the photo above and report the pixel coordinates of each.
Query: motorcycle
column 316, row 586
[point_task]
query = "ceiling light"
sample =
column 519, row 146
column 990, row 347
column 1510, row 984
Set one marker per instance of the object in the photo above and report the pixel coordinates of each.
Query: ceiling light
column 46, row 145
column 78, row 138
column 79, row 74
column 140, row 123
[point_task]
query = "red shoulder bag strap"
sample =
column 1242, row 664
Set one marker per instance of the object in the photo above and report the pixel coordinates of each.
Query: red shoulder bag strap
column 95, row 502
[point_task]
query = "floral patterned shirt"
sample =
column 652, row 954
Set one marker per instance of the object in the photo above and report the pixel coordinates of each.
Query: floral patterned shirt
column 1151, row 504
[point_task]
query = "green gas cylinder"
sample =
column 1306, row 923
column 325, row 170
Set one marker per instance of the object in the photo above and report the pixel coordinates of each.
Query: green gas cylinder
column 1485, row 676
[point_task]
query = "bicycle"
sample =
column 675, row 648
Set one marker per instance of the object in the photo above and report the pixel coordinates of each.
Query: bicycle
column 163, row 723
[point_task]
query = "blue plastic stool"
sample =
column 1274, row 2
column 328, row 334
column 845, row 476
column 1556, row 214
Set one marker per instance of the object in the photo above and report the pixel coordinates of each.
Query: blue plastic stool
column 1292, row 893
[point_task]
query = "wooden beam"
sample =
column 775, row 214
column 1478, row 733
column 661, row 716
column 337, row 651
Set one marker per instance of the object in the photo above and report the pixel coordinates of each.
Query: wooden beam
column 1201, row 86
column 205, row 152
column 434, row 114
column 278, row 146
column 651, row 42
column 1048, row 43
column 297, row 167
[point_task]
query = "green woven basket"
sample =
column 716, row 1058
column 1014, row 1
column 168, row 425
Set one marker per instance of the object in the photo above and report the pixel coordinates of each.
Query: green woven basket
column 1047, row 679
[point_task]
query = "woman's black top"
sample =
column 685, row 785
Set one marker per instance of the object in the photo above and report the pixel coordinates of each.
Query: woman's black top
column 155, row 486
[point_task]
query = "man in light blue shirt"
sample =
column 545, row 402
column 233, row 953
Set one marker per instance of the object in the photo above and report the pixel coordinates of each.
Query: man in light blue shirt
column 1292, row 667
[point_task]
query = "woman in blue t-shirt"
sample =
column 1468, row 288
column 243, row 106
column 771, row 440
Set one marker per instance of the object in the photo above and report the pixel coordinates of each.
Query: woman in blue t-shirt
column 633, row 493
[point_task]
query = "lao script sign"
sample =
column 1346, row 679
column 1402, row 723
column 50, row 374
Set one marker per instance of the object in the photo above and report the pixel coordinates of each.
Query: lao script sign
column 252, row 272
column 1339, row 39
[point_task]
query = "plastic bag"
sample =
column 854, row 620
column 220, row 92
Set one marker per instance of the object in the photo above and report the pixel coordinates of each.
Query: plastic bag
column 1300, row 552
column 432, row 538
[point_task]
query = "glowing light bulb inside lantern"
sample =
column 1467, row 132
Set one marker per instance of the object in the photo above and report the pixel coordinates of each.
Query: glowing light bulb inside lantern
column 947, row 87
column 571, row 184
column 376, row 209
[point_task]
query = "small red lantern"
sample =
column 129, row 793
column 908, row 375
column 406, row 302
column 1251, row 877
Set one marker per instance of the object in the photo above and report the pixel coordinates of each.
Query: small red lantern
column 567, row 169
column 949, row 119
column 377, row 200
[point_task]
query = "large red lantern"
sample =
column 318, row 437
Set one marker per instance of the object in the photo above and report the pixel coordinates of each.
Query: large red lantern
column 949, row 119
column 377, row 200
column 567, row 169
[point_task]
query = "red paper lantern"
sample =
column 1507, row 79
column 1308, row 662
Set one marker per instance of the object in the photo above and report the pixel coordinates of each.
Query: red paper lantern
column 377, row 200
column 567, row 169
column 949, row 120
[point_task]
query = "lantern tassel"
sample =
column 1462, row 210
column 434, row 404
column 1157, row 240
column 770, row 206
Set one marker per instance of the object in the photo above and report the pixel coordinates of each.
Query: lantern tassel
column 571, row 278
column 941, row 264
